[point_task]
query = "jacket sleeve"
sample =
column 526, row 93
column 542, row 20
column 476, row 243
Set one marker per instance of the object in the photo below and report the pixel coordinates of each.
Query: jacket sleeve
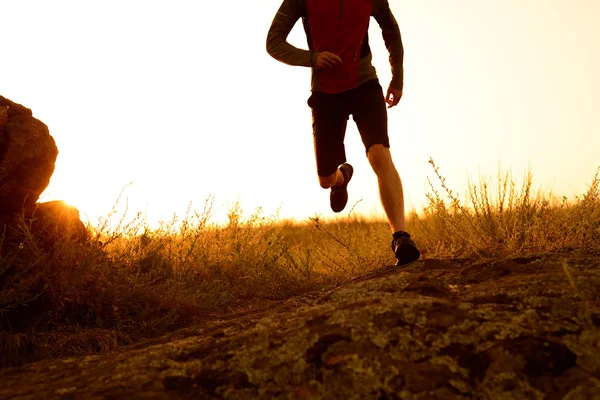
column 393, row 40
column 277, row 44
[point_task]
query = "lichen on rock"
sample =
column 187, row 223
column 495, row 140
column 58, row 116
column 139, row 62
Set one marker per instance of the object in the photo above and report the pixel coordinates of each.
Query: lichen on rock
column 413, row 333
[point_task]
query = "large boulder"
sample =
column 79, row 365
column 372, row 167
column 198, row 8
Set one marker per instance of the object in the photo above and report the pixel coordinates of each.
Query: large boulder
column 46, row 224
column 56, row 220
column 27, row 157
column 3, row 118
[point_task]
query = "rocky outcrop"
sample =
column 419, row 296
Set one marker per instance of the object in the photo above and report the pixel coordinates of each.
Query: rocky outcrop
column 3, row 118
column 46, row 224
column 27, row 157
column 524, row 328
column 56, row 220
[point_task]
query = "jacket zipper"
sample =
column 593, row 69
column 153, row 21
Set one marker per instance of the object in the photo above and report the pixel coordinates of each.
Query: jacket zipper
column 341, row 9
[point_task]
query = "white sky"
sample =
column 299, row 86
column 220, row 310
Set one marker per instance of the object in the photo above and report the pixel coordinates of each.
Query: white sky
column 181, row 99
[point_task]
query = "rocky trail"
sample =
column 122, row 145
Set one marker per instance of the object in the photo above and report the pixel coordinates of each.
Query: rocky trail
column 521, row 328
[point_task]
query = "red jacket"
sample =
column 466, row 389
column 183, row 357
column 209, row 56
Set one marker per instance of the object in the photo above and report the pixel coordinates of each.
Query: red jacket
column 340, row 27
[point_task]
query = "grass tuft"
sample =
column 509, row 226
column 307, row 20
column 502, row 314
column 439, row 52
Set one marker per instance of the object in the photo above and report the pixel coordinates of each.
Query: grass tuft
column 505, row 219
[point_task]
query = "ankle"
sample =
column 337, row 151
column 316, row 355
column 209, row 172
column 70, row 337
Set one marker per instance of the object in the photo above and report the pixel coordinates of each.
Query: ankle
column 400, row 234
column 340, row 179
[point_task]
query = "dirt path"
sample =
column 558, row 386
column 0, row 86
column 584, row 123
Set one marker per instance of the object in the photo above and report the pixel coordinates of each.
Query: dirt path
column 509, row 329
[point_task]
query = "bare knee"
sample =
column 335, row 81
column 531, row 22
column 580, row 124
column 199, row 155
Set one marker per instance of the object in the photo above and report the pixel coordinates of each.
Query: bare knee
column 380, row 158
column 327, row 181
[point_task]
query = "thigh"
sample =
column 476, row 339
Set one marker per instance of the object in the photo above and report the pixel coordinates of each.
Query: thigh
column 330, row 119
column 370, row 114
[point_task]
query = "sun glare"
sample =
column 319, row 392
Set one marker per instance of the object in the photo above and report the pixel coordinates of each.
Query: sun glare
column 185, row 109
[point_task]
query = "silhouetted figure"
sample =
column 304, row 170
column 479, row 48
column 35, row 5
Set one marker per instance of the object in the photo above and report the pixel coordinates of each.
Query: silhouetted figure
column 344, row 83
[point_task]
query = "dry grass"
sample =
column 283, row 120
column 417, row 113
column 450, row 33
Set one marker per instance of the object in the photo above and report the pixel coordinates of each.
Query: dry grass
column 506, row 218
column 133, row 282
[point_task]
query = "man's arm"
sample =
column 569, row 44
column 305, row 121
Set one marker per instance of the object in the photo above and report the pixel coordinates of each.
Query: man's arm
column 393, row 41
column 277, row 45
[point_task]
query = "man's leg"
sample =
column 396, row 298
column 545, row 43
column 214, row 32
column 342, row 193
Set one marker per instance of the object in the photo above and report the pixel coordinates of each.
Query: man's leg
column 335, row 179
column 392, row 199
column 390, row 186
column 370, row 115
column 330, row 117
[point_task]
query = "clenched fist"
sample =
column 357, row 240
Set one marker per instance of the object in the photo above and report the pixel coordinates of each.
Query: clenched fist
column 327, row 60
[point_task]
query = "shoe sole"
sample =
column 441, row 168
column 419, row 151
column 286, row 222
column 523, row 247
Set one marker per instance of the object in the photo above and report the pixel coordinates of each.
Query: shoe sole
column 399, row 264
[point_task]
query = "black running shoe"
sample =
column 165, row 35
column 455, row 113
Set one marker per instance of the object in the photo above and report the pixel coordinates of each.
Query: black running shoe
column 405, row 249
column 338, row 197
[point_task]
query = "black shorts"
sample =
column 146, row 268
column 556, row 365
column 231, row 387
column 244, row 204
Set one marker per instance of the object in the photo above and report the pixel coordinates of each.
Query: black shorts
column 331, row 112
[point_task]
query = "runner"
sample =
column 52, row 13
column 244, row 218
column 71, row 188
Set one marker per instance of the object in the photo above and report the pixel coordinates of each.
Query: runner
column 344, row 83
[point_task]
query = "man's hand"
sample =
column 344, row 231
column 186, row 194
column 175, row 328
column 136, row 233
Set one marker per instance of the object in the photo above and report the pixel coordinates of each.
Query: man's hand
column 327, row 60
column 393, row 97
